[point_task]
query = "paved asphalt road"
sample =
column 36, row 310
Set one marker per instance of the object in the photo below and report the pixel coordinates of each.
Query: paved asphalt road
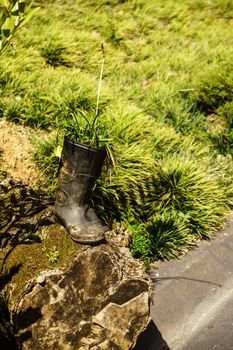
column 217, row 333
column 193, row 300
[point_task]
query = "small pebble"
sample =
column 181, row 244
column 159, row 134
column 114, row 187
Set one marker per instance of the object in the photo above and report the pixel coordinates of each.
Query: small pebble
column 40, row 279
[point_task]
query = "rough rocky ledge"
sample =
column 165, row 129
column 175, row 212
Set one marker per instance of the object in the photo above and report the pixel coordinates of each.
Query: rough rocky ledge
column 101, row 301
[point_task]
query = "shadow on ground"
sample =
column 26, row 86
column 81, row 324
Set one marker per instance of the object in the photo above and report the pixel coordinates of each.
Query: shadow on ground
column 23, row 211
column 7, row 340
column 151, row 339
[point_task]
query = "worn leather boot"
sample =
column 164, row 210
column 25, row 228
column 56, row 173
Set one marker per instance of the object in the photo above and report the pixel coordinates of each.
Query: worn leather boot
column 80, row 167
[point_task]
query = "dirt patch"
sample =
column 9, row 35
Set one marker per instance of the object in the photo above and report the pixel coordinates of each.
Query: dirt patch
column 16, row 147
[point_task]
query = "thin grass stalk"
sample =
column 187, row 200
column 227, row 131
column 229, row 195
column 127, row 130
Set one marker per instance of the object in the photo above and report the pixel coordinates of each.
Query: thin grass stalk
column 99, row 87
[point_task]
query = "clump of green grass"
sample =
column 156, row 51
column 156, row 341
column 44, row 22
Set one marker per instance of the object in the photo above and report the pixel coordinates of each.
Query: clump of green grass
column 215, row 88
column 213, row 98
column 187, row 186
column 55, row 54
column 47, row 155
column 176, row 190
column 165, row 236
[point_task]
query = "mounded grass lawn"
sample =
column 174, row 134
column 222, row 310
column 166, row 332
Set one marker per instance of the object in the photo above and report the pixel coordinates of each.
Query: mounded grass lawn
column 165, row 110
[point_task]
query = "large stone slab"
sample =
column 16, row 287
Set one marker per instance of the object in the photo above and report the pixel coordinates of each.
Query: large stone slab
column 101, row 301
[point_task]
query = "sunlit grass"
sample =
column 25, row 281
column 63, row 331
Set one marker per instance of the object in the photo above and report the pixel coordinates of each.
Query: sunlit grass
column 165, row 108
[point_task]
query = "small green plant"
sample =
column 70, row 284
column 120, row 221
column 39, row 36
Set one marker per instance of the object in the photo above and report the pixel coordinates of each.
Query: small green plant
column 141, row 243
column 53, row 255
column 42, row 236
column 82, row 125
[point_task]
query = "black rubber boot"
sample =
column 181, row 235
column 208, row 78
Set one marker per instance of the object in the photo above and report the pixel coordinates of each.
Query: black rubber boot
column 80, row 167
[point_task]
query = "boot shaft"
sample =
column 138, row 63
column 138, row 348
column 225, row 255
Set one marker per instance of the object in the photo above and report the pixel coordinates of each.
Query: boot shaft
column 80, row 167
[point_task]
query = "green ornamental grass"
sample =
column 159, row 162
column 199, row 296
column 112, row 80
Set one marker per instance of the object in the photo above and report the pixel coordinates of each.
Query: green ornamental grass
column 164, row 112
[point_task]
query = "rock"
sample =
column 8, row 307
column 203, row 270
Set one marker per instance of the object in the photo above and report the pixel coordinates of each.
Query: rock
column 101, row 301
column 40, row 279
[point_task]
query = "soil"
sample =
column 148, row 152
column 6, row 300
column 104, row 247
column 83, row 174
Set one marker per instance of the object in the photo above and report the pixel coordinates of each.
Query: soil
column 16, row 153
